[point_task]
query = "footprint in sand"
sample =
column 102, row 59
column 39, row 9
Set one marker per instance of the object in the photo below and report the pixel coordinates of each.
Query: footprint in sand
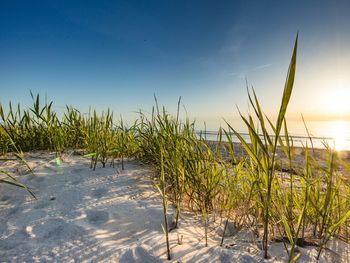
column 13, row 210
column 14, row 241
column 42, row 205
column 13, row 198
column 97, row 217
column 5, row 198
column 39, row 179
column 98, row 193
column 55, row 229
column 76, row 182
column 139, row 254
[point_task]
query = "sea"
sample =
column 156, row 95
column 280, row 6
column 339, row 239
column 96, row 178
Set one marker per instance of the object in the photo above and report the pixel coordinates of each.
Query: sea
column 334, row 134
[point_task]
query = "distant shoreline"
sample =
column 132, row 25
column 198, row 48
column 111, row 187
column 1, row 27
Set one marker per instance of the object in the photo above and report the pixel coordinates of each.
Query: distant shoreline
column 298, row 140
column 320, row 155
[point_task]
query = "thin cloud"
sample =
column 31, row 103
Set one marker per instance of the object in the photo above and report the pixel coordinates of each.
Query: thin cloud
column 238, row 74
column 261, row 67
column 242, row 75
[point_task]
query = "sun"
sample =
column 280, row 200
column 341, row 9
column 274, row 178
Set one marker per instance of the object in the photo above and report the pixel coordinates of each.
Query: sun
column 337, row 101
column 339, row 135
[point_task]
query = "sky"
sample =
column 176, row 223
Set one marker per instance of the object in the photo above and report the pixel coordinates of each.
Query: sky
column 118, row 54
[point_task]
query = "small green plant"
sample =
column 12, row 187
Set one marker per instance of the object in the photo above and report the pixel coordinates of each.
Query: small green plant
column 162, row 188
column 7, row 178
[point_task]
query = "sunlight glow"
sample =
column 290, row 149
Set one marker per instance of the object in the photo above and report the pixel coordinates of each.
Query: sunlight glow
column 339, row 135
column 337, row 100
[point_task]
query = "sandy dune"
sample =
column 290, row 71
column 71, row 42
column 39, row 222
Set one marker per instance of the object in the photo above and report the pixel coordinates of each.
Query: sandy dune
column 109, row 215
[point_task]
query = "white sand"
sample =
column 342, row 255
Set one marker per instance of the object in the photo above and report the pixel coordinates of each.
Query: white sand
column 109, row 215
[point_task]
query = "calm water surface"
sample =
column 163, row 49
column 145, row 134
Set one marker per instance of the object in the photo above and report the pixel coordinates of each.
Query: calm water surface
column 335, row 133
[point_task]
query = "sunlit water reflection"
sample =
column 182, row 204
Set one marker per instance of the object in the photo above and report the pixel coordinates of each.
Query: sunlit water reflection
column 339, row 135
column 336, row 134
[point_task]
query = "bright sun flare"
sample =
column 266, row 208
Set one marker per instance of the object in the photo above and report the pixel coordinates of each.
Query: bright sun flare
column 337, row 101
column 339, row 135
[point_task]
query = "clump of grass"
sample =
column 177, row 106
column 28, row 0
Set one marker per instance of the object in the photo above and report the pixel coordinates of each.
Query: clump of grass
column 178, row 139
column 204, row 176
column 125, row 143
column 75, row 127
column 262, row 151
column 7, row 178
column 36, row 128
column 334, row 211
column 100, row 137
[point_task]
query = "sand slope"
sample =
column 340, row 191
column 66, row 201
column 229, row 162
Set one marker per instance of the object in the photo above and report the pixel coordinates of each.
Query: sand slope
column 108, row 215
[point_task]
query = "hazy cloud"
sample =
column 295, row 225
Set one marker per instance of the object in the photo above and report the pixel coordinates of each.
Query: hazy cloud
column 242, row 74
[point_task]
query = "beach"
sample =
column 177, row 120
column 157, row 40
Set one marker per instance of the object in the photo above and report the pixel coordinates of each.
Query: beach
column 111, row 215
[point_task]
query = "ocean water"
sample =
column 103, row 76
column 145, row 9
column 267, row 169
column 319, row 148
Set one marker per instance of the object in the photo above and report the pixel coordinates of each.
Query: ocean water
column 334, row 133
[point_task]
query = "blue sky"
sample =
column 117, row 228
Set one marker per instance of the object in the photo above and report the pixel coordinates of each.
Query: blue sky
column 118, row 54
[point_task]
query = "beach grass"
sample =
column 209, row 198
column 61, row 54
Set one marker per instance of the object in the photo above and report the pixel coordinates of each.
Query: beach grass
column 308, row 202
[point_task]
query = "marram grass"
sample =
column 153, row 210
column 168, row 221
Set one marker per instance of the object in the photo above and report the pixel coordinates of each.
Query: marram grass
column 308, row 202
